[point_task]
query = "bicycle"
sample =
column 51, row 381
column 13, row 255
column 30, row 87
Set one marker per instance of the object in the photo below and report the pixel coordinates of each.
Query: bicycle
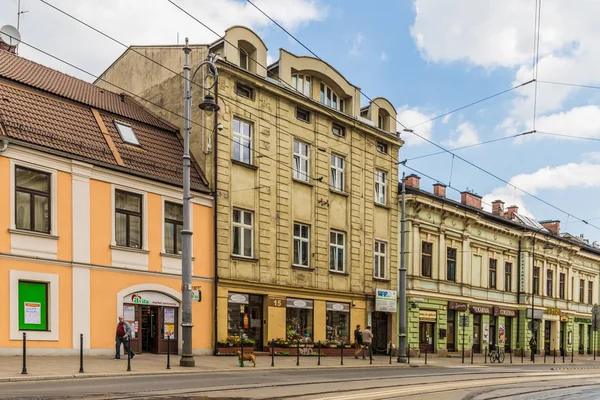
column 496, row 355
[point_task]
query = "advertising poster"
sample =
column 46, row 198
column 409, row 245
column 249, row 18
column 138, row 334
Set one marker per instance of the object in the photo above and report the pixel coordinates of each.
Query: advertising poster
column 501, row 334
column 129, row 313
column 169, row 316
column 246, row 321
column 169, row 331
column 486, row 333
column 33, row 313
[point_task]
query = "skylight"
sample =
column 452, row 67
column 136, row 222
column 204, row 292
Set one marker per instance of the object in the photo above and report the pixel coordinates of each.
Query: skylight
column 127, row 133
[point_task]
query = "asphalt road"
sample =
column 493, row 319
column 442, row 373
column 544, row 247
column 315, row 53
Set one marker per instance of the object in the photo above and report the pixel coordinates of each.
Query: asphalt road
column 525, row 382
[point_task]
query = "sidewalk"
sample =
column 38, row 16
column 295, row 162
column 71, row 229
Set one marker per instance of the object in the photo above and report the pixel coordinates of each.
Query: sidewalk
column 53, row 368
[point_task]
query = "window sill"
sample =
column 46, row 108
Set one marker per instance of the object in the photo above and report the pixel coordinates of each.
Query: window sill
column 302, row 268
column 243, row 164
column 307, row 183
column 130, row 249
column 339, row 273
column 33, row 233
column 242, row 258
column 178, row 256
column 382, row 206
column 339, row 192
column 381, row 279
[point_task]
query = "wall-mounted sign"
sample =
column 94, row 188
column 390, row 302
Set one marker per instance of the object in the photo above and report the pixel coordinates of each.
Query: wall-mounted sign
column 150, row 299
column 385, row 300
column 481, row 310
column 196, row 295
column 504, row 312
column 501, row 334
column 33, row 313
column 538, row 314
column 299, row 303
column 570, row 337
column 486, row 333
column 418, row 300
column 553, row 311
column 564, row 318
column 427, row 316
column 129, row 313
column 238, row 298
column 522, row 276
column 453, row 305
column 276, row 301
column 583, row 320
column 341, row 307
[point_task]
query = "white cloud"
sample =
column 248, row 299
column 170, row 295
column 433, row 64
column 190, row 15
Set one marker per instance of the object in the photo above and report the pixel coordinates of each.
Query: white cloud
column 357, row 41
column 578, row 121
column 143, row 22
column 410, row 117
column 270, row 59
column 446, row 119
column 383, row 56
column 466, row 135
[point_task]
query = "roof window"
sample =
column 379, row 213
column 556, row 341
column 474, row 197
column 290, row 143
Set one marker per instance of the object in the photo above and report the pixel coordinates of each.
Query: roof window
column 127, row 133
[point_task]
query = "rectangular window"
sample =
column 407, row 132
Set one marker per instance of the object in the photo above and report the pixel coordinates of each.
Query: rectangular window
column 380, row 121
column 380, row 262
column 426, row 253
column 301, row 244
column 243, row 233
column 299, row 319
column 173, row 227
column 33, row 306
column 242, row 141
column 590, row 291
column 561, row 286
column 32, row 200
column 582, row 291
column 337, row 251
column 301, row 160
column 128, row 219
column 493, row 273
column 244, row 91
column 337, row 173
column 536, row 280
column 549, row 282
column 329, row 98
column 338, row 321
column 302, row 114
column 302, row 83
column 338, row 130
column 382, row 148
column 380, row 187
column 243, row 60
column 451, row 264
column 507, row 277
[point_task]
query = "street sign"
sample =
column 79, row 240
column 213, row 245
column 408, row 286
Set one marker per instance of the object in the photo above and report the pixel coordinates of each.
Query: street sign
column 464, row 321
column 533, row 325
column 595, row 323
column 595, row 309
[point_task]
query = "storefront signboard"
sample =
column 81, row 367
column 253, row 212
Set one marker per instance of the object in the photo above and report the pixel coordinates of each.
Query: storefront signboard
column 427, row 316
column 504, row 312
column 299, row 303
column 550, row 317
column 276, row 301
column 385, row 300
column 486, row 333
column 583, row 320
column 553, row 311
column 538, row 314
column 453, row 305
column 341, row 307
column 564, row 318
column 150, row 299
column 238, row 298
column 481, row 310
column 501, row 334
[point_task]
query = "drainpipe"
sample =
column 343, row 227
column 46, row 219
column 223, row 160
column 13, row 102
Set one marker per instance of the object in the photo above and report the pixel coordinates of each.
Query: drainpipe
column 4, row 145
column 215, row 194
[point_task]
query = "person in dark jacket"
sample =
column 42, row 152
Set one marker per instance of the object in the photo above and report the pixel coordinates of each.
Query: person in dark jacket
column 357, row 341
column 123, row 333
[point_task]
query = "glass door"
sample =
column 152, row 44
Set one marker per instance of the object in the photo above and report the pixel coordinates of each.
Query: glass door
column 451, row 334
column 476, row 333
column 547, row 335
column 426, row 336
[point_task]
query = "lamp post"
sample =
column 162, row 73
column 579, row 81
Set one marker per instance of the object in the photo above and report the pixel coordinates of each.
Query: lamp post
column 209, row 104
column 547, row 246
column 402, row 282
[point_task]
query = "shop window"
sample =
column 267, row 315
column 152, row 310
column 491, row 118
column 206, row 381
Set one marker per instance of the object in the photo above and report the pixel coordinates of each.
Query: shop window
column 380, row 187
column 301, row 245
column 32, row 199
column 549, row 282
column 493, row 273
column 302, row 83
column 299, row 319
column 245, row 317
column 451, row 264
column 301, row 160
column 337, row 173
column 128, row 219
column 33, row 306
column 173, row 227
column 380, row 262
column 337, row 251
column 242, row 141
column 243, row 233
column 507, row 277
column 426, row 253
column 338, row 321
column 561, row 286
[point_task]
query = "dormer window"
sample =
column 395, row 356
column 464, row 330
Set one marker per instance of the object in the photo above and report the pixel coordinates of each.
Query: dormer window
column 330, row 98
column 383, row 120
column 244, row 60
column 127, row 133
column 380, row 121
column 302, row 83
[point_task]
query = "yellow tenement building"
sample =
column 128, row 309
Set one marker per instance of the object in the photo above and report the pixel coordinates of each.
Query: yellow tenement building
column 90, row 219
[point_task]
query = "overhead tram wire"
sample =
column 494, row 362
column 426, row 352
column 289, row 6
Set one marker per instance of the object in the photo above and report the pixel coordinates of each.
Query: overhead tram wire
column 438, row 145
column 536, row 56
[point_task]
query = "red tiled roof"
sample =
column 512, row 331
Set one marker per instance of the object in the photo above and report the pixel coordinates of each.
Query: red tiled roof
column 58, row 123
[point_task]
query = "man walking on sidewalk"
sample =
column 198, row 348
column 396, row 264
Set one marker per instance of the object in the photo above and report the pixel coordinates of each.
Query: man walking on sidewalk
column 357, row 341
column 367, row 338
column 123, row 333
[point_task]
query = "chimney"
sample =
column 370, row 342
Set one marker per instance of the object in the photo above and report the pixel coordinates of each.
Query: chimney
column 470, row 199
column 439, row 189
column 412, row 180
column 510, row 212
column 552, row 225
column 498, row 207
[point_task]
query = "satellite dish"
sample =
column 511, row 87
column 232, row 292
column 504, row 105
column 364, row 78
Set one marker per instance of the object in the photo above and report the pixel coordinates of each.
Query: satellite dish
column 10, row 35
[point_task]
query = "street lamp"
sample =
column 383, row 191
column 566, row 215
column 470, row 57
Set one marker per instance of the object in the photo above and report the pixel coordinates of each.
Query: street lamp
column 210, row 105
column 547, row 246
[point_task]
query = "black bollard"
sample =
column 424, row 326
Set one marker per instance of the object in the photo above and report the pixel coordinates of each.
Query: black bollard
column 24, row 370
column 272, row 352
column 408, row 353
column 81, row 353
column 319, row 347
column 298, row 352
column 426, row 354
column 554, row 356
column 168, row 351
column 571, row 355
column 485, row 355
column 510, row 354
column 563, row 351
column 128, row 353
column 342, row 355
column 463, row 353
column 390, row 353
column 544, row 356
column 242, row 352
column 522, row 354
column 370, row 355
column 472, row 352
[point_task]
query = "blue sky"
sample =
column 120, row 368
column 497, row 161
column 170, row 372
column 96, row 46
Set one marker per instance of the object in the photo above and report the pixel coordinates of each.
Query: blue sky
column 426, row 56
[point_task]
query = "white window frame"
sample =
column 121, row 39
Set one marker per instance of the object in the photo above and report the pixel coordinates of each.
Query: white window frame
column 300, row 81
column 301, row 161
column 243, row 227
column 381, row 187
column 337, row 176
column 379, row 258
column 337, row 246
column 301, row 239
column 247, row 57
column 118, row 125
column 241, row 138
column 330, row 98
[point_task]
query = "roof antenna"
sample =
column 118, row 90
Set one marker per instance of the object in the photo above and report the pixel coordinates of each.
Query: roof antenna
column 19, row 12
column 177, row 37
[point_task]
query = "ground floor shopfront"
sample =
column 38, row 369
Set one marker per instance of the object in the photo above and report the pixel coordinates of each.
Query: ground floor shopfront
column 260, row 314
column 55, row 303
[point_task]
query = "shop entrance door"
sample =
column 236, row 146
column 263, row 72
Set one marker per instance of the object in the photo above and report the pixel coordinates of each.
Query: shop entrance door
column 476, row 333
column 150, row 333
column 380, row 332
column 450, row 339
column 426, row 336
column 563, row 328
column 547, row 335
column 255, row 323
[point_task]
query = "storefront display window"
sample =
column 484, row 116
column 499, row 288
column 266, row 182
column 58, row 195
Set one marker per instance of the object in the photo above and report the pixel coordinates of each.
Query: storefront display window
column 244, row 318
column 299, row 319
column 338, row 321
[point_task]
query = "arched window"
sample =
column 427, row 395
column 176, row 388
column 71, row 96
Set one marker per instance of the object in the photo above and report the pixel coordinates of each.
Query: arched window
column 302, row 83
column 330, row 98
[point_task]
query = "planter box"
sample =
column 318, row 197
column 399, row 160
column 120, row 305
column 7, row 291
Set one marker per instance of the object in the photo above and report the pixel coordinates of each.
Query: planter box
column 232, row 349
column 310, row 350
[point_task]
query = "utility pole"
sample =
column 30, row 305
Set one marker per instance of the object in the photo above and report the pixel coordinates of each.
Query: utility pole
column 402, row 280
column 187, row 358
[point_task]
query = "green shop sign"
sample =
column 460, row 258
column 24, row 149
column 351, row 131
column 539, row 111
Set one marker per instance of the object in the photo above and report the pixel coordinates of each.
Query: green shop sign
column 583, row 320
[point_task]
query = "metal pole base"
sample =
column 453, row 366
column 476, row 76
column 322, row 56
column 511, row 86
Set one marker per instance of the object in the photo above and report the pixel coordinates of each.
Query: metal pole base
column 187, row 360
column 402, row 360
